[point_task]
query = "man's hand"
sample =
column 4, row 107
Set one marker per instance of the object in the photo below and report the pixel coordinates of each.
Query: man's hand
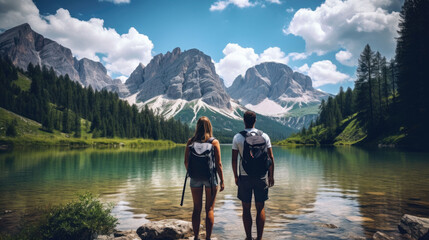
column 222, row 186
column 236, row 181
column 270, row 181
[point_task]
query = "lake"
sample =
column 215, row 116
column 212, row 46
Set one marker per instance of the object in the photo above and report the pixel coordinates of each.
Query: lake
column 319, row 193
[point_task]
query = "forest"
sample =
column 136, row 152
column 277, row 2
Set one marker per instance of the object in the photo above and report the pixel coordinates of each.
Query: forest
column 60, row 103
column 390, row 96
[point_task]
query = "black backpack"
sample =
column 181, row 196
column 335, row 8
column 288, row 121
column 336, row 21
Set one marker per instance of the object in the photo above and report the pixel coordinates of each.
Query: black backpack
column 255, row 158
column 201, row 163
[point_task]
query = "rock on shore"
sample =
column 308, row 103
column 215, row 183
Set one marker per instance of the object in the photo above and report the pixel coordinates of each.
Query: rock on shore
column 165, row 229
column 410, row 227
column 416, row 227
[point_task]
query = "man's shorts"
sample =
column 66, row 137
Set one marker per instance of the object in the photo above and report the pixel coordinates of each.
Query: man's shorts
column 247, row 185
column 197, row 183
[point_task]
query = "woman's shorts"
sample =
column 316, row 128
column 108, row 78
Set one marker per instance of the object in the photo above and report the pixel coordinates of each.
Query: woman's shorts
column 196, row 183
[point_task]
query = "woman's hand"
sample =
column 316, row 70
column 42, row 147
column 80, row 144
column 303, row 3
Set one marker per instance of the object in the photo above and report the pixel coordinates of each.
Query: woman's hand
column 222, row 186
column 270, row 181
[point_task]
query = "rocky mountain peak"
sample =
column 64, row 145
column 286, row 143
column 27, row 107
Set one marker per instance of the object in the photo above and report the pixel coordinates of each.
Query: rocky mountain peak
column 92, row 73
column 23, row 46
column 276, row 82
column 184, row 75
column 136, row 79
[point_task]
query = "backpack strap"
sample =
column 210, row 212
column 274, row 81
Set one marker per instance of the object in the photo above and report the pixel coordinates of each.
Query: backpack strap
column 210, row 140
column 259, row 133
column 243, row 133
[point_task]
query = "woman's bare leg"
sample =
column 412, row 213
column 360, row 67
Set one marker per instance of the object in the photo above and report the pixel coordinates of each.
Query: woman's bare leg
column 197, row 197
column 210, row 202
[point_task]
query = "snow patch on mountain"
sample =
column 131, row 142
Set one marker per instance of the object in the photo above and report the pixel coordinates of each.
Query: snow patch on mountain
column 269, row 108
column 168, row 108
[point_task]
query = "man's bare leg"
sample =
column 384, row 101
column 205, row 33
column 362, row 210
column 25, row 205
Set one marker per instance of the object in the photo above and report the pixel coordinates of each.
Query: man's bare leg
column 260, row 219
column 247, row 220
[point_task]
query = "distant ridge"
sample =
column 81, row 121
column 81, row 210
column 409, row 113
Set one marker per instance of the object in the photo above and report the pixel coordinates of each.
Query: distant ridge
column 23, row 46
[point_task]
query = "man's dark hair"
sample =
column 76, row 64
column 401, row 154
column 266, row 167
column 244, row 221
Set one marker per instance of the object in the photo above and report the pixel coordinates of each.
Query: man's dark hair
column 249, row 119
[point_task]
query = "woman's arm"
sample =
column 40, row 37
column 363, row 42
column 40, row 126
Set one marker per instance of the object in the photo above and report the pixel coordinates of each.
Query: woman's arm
column 187, row 154
column 218, row 161
column 271, row 169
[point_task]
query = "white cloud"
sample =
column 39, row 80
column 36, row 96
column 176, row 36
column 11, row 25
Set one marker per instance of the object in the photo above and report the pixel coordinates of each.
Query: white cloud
column 323, row 72
column 222, row 4
column 290, row 10
column 298, row 56
column 219, row 6
column 273, row 54
column 116, row 1
column 122, row 78
column 348, row 24
column 304, row 68
column 274, row 1
column 345, row 58
column 121, row 52
column 238, row 59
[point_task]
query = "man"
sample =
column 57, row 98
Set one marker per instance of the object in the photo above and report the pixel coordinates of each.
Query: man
column 246, row 184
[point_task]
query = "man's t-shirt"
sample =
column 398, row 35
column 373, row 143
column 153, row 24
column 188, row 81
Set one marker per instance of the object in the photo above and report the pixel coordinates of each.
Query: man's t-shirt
column 238, row 144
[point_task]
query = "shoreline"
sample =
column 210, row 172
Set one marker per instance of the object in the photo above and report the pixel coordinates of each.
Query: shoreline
column 9, row 143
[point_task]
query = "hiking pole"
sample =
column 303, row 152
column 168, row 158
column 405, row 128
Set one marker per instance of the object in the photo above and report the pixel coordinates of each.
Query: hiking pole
column 184, row 187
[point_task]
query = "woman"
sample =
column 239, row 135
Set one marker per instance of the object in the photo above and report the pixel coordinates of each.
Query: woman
column 203, row 132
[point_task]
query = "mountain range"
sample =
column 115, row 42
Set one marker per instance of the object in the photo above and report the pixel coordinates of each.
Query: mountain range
column 183, row 85
column 23, row 46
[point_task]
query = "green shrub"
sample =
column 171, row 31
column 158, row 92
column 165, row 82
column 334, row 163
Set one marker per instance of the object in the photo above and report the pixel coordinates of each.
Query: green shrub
column 78, row 219
column 11, row 128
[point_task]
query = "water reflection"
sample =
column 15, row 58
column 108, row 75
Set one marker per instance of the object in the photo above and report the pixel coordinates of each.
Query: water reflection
column 320, row 193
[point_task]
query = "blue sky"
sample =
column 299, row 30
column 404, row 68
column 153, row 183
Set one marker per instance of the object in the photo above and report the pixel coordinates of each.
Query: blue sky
column 320, row 38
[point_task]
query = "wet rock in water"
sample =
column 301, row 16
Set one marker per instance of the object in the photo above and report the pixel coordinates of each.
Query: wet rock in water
column 327, row 225
column 416, row 227
column 359, row 219
column 165, row 229
column 381, row 236
column 120, row 235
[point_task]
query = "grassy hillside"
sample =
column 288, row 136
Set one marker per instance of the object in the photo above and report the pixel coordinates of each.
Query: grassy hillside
column 351, row 132
column 29, row 133
column 23, row 82
column 348, row 133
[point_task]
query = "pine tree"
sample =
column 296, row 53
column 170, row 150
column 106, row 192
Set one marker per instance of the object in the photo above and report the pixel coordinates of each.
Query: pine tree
column 11, row 129
column 77, row 126
column 66, row 121
column 384, row 73
column 348, row 103
column 341, row 101
column 48, row 124
column 364, row 86
column 393, row 78
column 303, row 131
column 412, row 58
column 377, row 79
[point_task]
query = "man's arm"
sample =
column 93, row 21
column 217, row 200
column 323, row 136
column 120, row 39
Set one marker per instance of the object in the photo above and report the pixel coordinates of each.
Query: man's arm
column 271, row 170
column 234, row 165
